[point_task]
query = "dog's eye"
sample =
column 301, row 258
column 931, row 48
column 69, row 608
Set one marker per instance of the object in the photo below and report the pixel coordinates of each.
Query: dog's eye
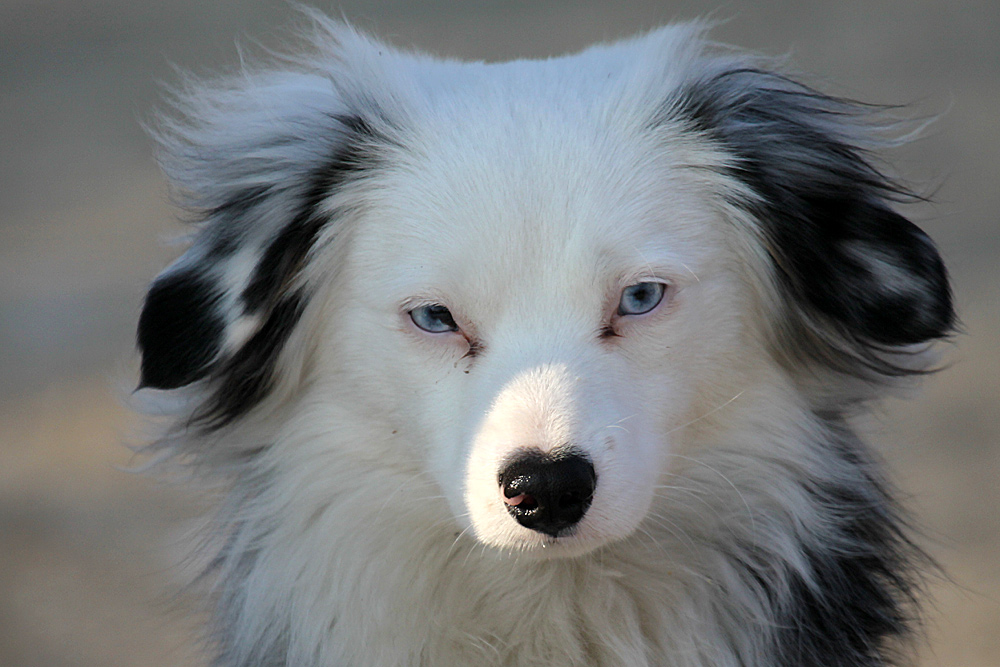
column 434, row 318
column 640, row 298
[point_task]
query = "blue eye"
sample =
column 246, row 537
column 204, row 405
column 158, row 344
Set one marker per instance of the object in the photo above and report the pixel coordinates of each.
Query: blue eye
column 434, row 318
column 641, row 298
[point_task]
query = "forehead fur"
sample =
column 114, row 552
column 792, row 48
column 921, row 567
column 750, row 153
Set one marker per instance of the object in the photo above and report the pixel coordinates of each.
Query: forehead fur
column 527, row 163
column 564, row 200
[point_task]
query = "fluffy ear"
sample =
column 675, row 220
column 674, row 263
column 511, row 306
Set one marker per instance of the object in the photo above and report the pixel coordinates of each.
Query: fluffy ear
column 841, row 252
column 257, row 163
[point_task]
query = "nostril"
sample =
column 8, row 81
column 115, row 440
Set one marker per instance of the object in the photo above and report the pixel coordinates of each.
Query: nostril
column 548, row 493
column 523, row 500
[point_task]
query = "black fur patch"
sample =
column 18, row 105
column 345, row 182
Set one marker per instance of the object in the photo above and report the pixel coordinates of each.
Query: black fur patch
column 180, row 330
column 824, row 207
column 246, row 378
column 286, row 252
column 859, row 599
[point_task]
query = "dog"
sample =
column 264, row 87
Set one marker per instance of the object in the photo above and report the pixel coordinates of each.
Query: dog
column 540, row 362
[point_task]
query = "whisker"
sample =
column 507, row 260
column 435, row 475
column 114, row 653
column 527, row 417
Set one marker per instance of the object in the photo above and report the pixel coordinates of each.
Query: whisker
column 753, row 523
column 395, row 491
column 671, row 528
column 707, row 414
column 454, row 543
column 617, row 423
column 696, row 278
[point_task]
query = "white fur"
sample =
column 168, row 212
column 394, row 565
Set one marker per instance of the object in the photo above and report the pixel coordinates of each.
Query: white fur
column 361, row 522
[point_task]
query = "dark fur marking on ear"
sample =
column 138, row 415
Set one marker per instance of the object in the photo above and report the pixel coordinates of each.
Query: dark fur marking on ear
column 285, row 254
column 180, row 332
column 227, row 235
column 245, row 378
column 282, row 260
column 825, row 209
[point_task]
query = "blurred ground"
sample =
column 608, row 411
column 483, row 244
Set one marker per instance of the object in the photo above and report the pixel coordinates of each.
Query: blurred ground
column 86, row 557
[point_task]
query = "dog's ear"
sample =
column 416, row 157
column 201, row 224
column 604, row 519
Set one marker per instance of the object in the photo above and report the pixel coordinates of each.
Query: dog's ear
column 258, row 166
column 825, row 210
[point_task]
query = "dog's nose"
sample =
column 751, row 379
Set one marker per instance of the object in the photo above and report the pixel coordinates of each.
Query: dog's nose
column 548, row 492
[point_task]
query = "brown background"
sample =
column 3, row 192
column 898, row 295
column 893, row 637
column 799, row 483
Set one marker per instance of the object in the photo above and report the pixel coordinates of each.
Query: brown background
column 88, row 553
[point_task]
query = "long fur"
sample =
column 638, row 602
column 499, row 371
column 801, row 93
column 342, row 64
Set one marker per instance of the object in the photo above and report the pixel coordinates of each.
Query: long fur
column 737, row 518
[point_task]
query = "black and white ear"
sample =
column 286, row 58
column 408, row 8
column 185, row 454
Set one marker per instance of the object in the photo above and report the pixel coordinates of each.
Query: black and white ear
column 257, row 164
column 839, row 249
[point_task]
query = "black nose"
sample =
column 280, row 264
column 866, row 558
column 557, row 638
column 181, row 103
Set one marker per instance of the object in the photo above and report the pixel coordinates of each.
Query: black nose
column 548, row 492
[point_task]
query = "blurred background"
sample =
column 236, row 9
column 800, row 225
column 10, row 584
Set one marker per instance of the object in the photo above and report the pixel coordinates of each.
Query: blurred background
column 89, row 554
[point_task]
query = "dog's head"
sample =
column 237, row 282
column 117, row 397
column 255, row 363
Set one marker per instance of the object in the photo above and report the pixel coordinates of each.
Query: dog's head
column 531, row 281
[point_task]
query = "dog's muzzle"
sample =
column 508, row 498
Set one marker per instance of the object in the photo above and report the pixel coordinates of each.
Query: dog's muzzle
column 548, row 493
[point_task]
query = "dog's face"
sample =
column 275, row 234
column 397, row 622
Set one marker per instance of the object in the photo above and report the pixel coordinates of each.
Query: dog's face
column 526, row 318
column 528, row 280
